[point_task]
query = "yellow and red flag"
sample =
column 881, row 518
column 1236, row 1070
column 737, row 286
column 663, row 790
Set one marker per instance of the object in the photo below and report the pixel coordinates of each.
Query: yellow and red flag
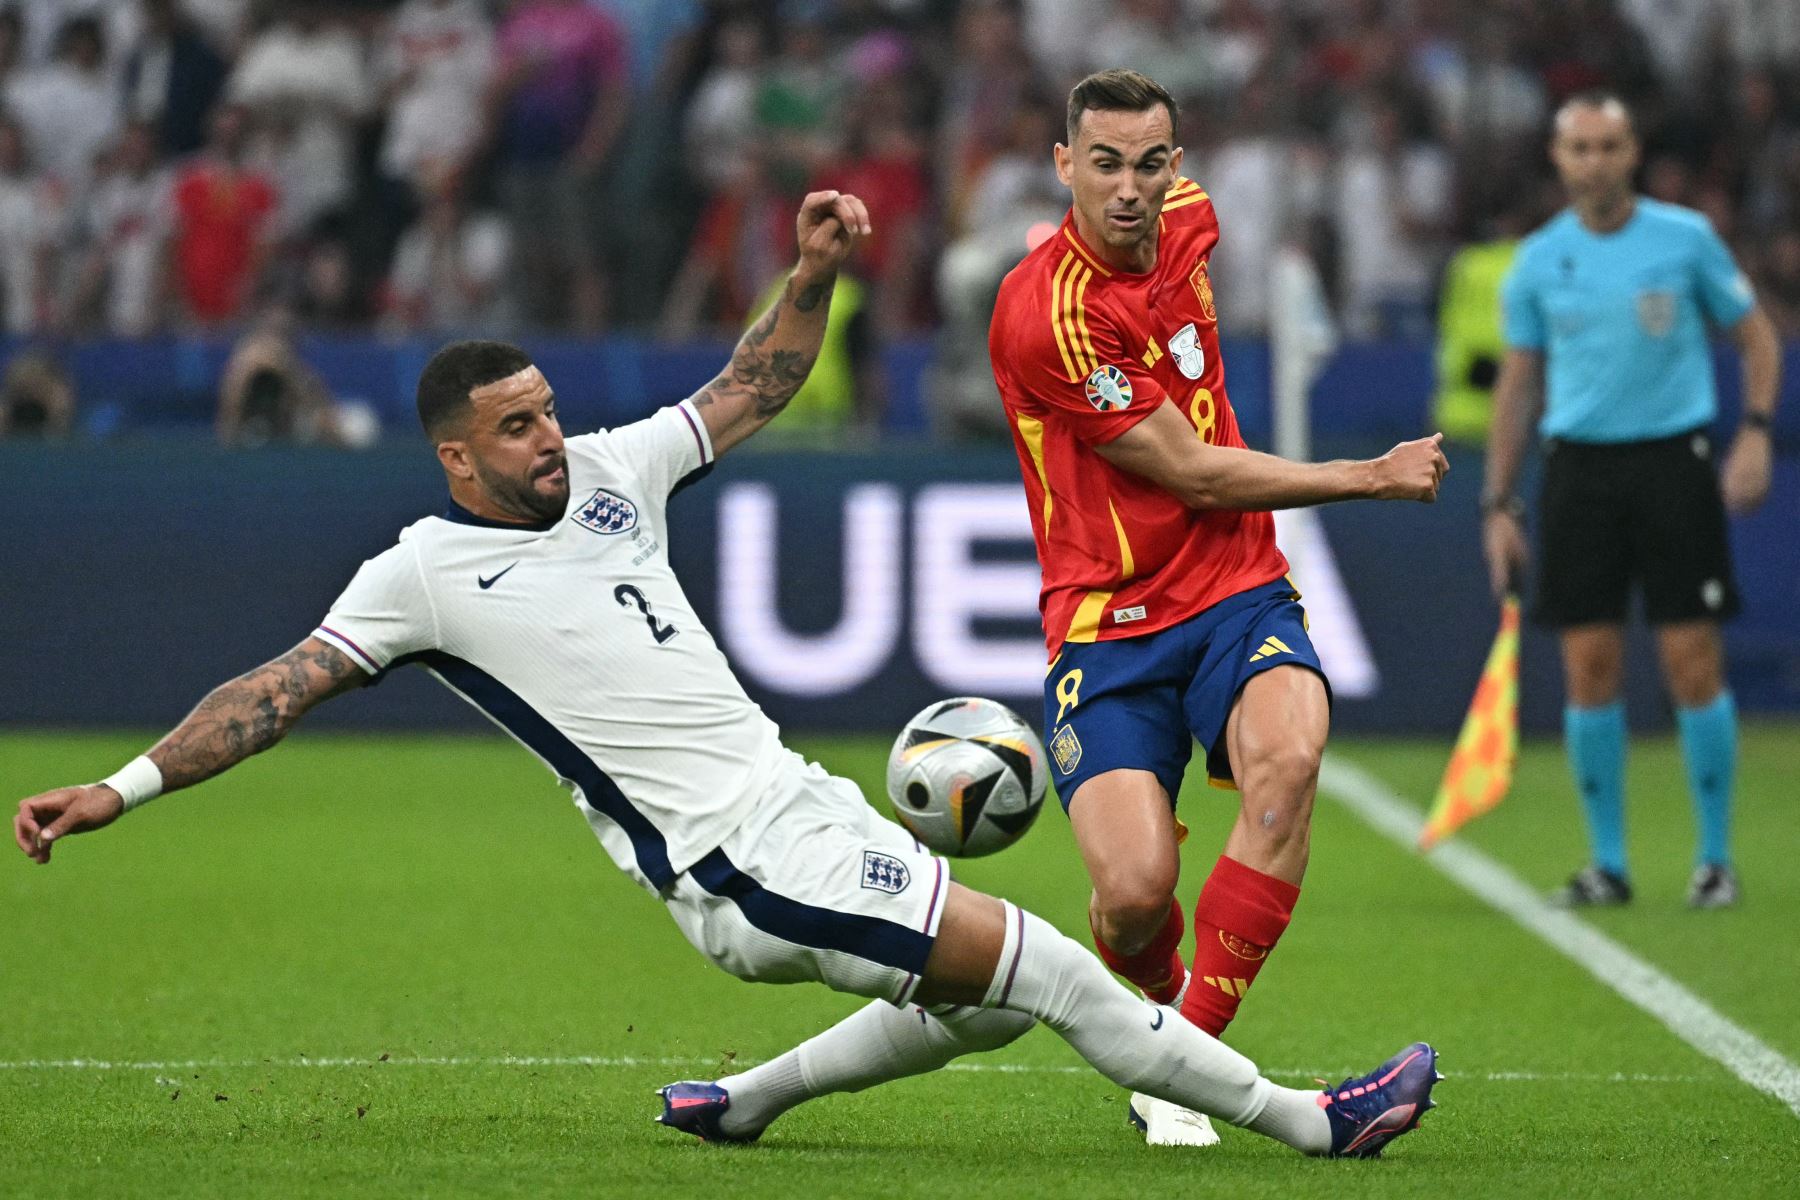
column 1481, row 767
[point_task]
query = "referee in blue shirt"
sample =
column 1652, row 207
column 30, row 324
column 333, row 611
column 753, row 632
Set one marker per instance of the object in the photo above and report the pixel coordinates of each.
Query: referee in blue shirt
column 1609, row 306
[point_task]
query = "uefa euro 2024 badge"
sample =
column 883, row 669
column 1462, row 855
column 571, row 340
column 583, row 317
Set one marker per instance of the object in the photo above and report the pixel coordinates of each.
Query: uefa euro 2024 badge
column 1108, row 389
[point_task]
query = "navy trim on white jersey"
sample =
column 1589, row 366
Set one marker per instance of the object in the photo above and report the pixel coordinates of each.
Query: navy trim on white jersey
column 884, row 942
column 691, row 478
column 507, row 708
column 459, row 515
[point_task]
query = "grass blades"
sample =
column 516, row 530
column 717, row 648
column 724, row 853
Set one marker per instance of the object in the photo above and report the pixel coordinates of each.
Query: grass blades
column 439, row 902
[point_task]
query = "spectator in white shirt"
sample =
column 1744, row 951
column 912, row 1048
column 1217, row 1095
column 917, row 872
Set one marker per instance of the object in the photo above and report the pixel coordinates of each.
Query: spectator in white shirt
column 1267, row 188
column 1393, row 207
column 129, row 219
column 1680, row 33
column 1481, row 94
column 721, row 119
column 433, row 61
column 1159, row 38
column 31, row 232
column 450, row 266
column 305, row 81
column 45, row 21
column 69, row 107
column 1764, row 32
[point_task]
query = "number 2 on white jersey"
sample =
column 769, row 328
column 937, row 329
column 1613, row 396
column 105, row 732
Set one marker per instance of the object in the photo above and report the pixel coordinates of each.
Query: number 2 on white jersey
column 628, row 595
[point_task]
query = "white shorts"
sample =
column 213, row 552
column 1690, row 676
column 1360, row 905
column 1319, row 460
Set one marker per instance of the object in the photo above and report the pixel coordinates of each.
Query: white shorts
column 816, row 886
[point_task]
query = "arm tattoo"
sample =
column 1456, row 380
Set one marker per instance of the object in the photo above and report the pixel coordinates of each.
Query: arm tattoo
column 764, row 329
column 773, row 378
column 251, row 713
column 774, row 356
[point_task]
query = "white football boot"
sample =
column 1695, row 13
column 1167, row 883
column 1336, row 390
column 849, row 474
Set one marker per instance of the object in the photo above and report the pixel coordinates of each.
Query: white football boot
column 1163, row 1123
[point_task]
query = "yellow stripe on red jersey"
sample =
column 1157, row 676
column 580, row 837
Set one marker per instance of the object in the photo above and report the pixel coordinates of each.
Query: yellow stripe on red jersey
column 1082, row 351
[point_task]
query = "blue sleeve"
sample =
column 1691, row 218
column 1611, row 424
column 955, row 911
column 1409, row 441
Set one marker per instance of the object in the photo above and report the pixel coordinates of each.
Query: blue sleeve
column 1523, row 318
column 1725, row 293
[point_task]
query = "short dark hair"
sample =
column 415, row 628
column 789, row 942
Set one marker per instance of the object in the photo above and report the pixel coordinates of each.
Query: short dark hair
column 1121, row 90
column 454, row 372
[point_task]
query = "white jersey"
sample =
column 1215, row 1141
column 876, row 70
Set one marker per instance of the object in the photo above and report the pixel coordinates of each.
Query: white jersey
column 576, row 638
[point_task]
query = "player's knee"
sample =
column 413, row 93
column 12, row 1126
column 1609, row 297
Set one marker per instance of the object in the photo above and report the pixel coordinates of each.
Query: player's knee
column 1277, row 797
column 1595, row 672
column 1696, row 690
column 1594, row 682
column 1694, row 679
column 978, row 1030
column 1134, row 884
column 1130, row 916
column 1281, row 776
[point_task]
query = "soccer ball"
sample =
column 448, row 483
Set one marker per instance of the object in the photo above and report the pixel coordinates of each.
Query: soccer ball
column 967, row 777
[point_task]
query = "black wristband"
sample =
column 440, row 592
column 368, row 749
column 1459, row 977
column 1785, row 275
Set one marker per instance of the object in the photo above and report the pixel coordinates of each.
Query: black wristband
column 1759, row 420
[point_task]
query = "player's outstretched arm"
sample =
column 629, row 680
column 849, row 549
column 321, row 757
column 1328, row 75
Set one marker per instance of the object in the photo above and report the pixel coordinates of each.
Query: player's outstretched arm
column 773, row 359
column 237, row 719
column 1163, row 449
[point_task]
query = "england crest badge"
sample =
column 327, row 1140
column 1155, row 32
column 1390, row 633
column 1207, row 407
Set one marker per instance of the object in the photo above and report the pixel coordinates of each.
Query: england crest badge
column 604, row 512
column 884, row 873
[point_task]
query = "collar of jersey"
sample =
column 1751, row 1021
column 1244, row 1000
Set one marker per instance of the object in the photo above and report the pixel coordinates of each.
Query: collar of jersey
column 1107, row 270
column 462, row 516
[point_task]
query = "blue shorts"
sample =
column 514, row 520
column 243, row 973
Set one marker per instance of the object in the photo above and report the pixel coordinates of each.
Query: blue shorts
column 1142, row 702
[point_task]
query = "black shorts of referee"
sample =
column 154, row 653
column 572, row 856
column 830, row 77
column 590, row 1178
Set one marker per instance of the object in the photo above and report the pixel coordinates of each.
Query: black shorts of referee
column 1614, row 516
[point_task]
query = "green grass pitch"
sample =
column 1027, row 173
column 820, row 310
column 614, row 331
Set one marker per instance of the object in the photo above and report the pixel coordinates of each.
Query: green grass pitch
column 386, row 967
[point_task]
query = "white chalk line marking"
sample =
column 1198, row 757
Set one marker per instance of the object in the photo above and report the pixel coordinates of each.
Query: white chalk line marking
column 715, row 1062
column 1685, row 1014
column 1680, row 1010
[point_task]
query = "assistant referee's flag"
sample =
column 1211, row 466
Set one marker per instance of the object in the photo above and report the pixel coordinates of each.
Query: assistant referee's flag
column 1481, row 767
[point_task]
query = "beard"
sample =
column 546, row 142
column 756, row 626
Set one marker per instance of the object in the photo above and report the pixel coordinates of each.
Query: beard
column 523, row 497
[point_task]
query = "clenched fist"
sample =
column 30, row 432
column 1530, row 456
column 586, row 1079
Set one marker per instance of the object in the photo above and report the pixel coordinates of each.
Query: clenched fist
column 1412, row 470
column 829, row 227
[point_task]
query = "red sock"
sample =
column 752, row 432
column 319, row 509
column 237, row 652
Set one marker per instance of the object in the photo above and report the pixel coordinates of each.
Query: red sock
column 1239, row 917
column 1157, row 969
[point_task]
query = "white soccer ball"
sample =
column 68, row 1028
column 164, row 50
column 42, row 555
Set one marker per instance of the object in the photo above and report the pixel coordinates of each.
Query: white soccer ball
column 967, row 777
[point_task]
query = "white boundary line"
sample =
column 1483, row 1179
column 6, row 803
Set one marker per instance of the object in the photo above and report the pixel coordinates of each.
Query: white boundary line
column 1686, row 1015
column 713, row 1062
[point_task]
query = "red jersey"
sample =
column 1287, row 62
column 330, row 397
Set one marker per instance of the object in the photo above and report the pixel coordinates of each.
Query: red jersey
column 1083, row 351
column 220, row 212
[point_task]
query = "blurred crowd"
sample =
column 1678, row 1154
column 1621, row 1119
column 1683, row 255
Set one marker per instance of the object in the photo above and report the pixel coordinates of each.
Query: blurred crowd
column 580, row 165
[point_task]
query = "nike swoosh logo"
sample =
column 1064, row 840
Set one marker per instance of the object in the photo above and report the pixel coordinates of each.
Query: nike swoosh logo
column 1159, row 1020
column 492, row 580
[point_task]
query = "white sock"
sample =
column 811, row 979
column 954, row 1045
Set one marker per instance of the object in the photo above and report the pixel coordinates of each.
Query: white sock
column 1140, row 1046
column 1293, row 1116
column 872, row 1045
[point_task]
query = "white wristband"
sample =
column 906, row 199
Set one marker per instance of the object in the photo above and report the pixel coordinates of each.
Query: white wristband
column 137, row 782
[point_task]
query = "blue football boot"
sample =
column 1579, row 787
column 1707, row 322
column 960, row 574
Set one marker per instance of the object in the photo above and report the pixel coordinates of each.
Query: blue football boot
column 695, row 1107
column 1369, row 1111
